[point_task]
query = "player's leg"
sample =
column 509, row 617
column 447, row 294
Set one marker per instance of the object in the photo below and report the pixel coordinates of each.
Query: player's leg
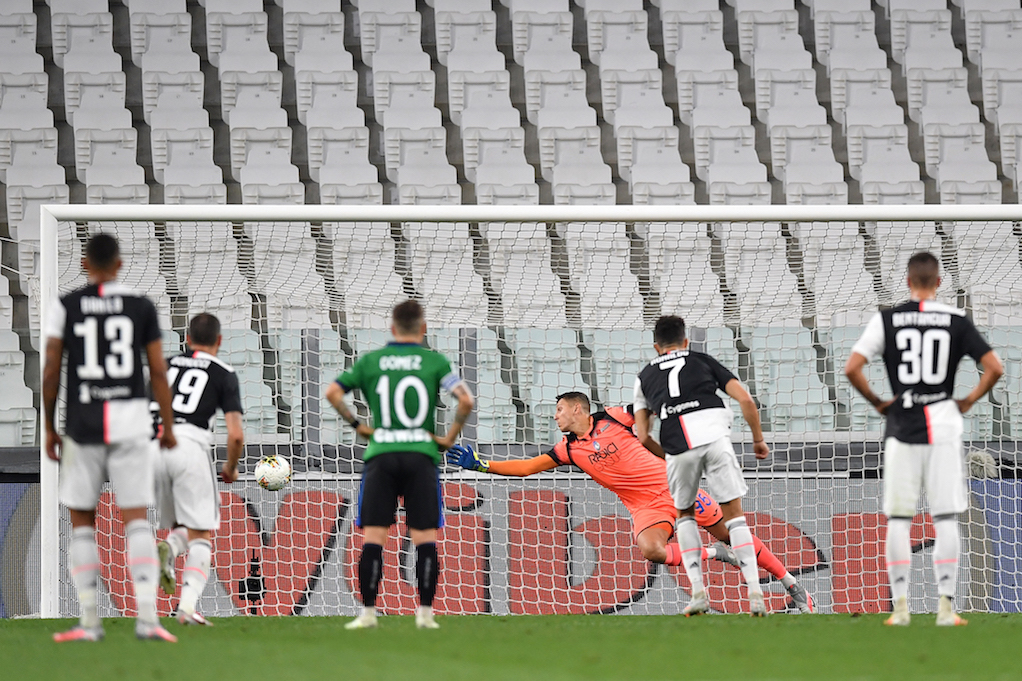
column 724, row 475
column 683, row 473
column 424, row 515
column 765, row 558
column 130, row 466
column 902, row 479
column 652, row 542
column 82, row 474
column 377, row 503
column 197, row 506
column 711, row 518
column 945, row 490
column 176, row 542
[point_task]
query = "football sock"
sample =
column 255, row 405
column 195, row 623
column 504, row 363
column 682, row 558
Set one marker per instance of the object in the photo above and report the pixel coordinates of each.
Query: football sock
column 178, row 540
column 673, row 552
column 195, row 574
column 945, row 554
column 426, row 571
column 85, row 573
column 745, row 552
column 899, row 555
column 370, row 566
column 690, row 547
column 766, row 559
column 145, row 568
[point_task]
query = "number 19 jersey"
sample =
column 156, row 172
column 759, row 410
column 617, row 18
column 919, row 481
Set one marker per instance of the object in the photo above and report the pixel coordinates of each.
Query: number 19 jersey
column 105, row 329
column 921, row 343
column 401, row 382
column 201, row 383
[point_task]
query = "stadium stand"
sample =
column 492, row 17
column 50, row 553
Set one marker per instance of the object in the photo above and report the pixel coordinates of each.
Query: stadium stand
column 510, row 102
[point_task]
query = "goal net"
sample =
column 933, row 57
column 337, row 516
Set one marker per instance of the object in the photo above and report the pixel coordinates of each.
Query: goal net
column 529, row 302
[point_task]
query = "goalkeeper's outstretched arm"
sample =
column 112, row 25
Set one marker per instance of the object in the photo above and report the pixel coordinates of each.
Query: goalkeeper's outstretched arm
column 468, row 458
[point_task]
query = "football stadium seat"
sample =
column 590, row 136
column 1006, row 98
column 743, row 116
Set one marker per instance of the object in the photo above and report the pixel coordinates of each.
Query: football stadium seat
column 752, row 252
column 434, row 252
column 520, row 271
column 834, row 267
column 681, row 251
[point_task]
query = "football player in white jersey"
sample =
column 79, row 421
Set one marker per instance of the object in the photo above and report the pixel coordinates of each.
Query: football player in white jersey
column 921, row 343
column 102, row 329
column 187, row 495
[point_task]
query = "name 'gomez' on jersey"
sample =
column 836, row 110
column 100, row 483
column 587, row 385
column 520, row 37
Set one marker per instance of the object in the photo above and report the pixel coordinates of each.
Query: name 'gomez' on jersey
column 681, row 388
column 105, row 329
column 922, row 343
column 200, row 383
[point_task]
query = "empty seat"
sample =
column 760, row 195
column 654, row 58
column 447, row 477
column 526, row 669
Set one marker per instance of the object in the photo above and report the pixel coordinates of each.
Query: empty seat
column 680, row 271
column 598, row 268
column 364, row 274
column 435, row 250
column 834, row 268
column 756, row 269
column 520, row 270
column 23, row 102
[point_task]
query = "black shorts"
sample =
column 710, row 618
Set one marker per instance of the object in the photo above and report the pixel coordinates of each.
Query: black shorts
column 390, row 475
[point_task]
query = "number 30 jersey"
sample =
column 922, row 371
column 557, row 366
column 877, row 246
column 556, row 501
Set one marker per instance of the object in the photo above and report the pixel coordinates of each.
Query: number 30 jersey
column 681, row 388
column 200, row 383
column 921, row 343
column 105, row 329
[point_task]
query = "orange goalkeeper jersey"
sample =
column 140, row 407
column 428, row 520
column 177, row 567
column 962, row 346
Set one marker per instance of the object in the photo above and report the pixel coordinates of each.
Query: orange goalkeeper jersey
column 612, row 455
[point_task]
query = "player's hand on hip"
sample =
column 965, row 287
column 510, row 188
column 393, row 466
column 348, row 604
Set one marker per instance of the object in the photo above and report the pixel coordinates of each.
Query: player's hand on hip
column 467, row 458
column 228, row 473
column 167, row 439
column 964, row 405
column 760, row 449
column 53, row 444
column 444, row 442
column 883, row 406
column 365, row 430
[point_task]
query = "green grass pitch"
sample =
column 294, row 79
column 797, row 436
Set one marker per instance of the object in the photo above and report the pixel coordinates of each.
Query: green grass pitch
column 489, row 648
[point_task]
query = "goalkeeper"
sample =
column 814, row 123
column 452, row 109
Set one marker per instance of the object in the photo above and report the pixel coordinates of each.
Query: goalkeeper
column 604, row 446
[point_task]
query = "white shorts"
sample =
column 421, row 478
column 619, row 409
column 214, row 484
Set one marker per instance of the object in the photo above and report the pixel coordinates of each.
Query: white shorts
column 186, row 491
column 127, row 466
column 718, row 461
column 940, row 468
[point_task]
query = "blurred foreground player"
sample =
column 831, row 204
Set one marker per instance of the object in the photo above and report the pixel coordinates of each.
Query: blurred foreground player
column 680, row 387
column 921, row 342
column 401, row 382
column 102, row 329
column 603, row 446
column 186, row 492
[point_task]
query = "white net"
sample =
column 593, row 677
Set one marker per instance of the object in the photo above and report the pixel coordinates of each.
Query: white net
column 530, row 310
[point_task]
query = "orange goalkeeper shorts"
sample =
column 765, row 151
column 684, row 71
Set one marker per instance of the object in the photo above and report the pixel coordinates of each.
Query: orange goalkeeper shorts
column 660, row 510
column 707, row 509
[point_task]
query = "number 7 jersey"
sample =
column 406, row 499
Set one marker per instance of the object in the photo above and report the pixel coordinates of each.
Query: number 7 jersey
column 921, row 343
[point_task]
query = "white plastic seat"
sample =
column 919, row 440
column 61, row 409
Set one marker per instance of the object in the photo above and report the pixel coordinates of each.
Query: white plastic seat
column 189, row 148
column 248, row 140
column 633, row 142
column 15, row 7
column 680, row 251
column 759, row 27
column 336, row 89
column 539, row 29
column 1002, row 96
column 240, row 33
column 472, row 34
column 479, row 142
column 834, row 267
column 27, row 149
column 158, row 7
column 616, row 30
column 363, row 263
column 389, row 31
column 156, row 84
column 558, row 145
column 548, row 362
column 549, row 88
column 991, row 33
column 639, row 88
column 17, row 42
column 695, row 40
column 304, row 29
column 599, row 271
column 484, row 87
column 848, row 40
column 521, row 272
column 880, row 154
column 752, row 252
column 169, row 34
column 407, row 90
column 926, row 31
column 697, row 87
column 23, row 102
column 788, row 98
column 436, row 250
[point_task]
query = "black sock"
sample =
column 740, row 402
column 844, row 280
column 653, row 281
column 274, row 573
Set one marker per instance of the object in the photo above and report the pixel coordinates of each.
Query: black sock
column 370, row 565
column 426, row 570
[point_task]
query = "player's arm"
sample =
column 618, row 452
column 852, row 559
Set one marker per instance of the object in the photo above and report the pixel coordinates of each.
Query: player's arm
column 993, row 369
column 461, row 413
column 737, row 391
column 855, row 375
column 235, row 446
column 51, row 385
column 468, row 458
column 335, row 396
column 161, row 391
column 643, row 431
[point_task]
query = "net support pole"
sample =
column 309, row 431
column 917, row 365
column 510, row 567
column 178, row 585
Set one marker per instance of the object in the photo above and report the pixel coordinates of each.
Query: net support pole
column 49, row 504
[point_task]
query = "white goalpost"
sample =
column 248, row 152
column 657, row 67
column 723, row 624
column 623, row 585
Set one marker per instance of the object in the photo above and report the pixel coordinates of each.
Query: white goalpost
column 529, row 302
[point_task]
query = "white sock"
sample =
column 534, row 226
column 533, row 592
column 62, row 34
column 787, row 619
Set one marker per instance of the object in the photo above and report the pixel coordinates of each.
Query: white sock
column 899, row 556
column 178, row 540
column 691, row 551
column 195, row 574
column 787, row 581
column 945, row 555
column 84, row 560
column 145, row 568
column 745, row 552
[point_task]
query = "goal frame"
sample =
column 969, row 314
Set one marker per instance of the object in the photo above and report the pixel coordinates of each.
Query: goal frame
column 52, row 214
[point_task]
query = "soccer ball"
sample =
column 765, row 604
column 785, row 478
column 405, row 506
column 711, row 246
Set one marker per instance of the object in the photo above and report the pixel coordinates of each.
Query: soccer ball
column 273, row 472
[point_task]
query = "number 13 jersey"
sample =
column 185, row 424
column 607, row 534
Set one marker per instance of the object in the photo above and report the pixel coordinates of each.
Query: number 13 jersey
column 681, row 388
column 105, row 329
column 922, row 343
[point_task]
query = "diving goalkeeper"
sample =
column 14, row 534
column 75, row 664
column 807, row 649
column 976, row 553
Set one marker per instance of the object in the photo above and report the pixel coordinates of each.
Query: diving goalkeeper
column 604, row 446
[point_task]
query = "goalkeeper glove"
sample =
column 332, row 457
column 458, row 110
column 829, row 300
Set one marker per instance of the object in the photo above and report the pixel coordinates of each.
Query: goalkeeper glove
column 467, row 458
